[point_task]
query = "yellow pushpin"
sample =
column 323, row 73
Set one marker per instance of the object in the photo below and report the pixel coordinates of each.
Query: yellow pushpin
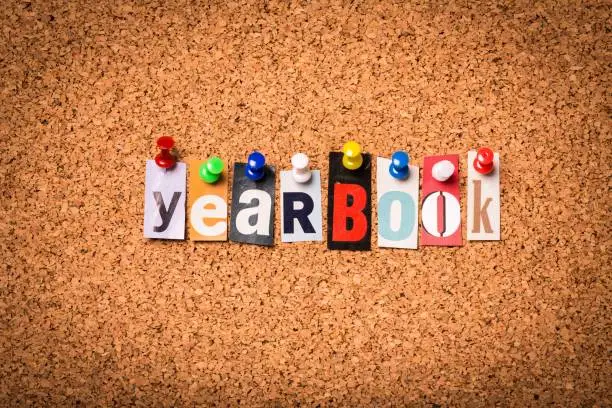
column 352, row 158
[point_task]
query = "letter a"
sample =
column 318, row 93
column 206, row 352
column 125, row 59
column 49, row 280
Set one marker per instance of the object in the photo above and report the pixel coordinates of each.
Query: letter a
column 261, row 212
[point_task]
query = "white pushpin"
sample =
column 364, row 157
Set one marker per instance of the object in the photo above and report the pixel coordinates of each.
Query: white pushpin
column 442, row 170
column 301, row 171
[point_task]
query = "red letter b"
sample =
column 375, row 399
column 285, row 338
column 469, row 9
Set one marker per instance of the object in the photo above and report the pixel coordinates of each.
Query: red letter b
column 349, row 203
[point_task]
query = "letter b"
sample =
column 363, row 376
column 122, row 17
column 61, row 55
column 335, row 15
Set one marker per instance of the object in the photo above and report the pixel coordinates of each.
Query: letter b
column 349, row 203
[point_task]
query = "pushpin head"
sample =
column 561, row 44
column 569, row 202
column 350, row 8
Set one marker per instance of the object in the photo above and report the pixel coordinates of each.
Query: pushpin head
column 211, row 170
column 165, row 159
column 483, row 163
column 301, row 172
column 255, row 168
column 352, row 158
column 442, row 170
column 399, row 165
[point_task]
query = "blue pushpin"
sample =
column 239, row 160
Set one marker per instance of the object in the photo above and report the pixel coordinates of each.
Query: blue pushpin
column 399, row 165
column 255, row 168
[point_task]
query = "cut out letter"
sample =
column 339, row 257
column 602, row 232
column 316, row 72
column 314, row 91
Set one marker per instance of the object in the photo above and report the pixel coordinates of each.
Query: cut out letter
column 301, row 216
column 261, row 211
column 349, row 207
column 483, row 201
column 397, row 212
column 441, row 214
column 441, row 209
column 291, row 212
column 165, row 214
column 164, row 204
column 398, row 207
column 480, row 210
column 200, row 213
column 350, row 222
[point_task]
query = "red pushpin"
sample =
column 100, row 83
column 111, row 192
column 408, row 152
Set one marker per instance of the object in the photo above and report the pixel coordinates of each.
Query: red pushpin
column 165, row 159
column 483, row 163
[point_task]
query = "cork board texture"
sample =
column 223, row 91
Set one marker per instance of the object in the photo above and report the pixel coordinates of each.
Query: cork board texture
column 93, row 314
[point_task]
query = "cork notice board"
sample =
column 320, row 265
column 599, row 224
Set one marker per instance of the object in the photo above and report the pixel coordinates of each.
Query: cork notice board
column 93, row 314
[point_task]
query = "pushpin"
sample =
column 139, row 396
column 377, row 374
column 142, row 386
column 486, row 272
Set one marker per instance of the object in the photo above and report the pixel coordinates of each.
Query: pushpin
column 165, row 159
column 301, row 171
column 255, row 168
column 442, row 170
column 211, row 170
column 483, row 163
column 352, row 158
column 399, row 165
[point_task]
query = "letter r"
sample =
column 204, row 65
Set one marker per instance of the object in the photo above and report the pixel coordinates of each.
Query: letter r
column 290, row 213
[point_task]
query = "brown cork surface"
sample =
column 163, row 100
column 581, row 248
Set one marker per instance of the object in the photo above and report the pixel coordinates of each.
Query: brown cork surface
column 93, row 314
